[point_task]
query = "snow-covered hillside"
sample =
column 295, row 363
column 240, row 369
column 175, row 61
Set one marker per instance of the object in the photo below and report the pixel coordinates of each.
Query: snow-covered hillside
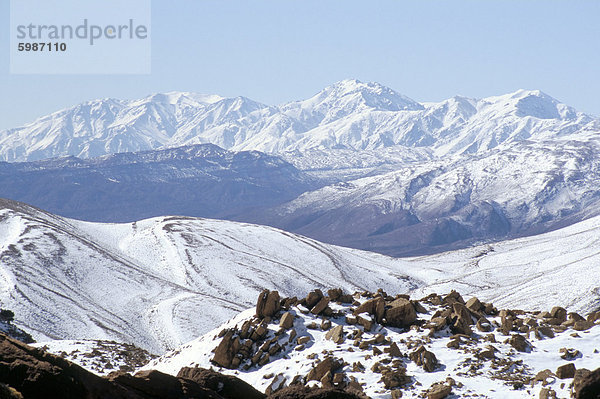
column 349, row 114
column 161, row 282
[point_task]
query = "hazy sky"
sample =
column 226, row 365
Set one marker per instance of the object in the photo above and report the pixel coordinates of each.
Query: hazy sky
column 278, row 50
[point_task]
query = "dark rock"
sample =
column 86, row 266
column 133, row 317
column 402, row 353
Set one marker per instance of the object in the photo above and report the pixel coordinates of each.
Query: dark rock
column 519, row 342
column 335, row 294
column 375, row 307
column 329, row 364
column 313, row 298
column 453, row 297
column 558, row 313
column 154, row 384
column 320, row 306
column 439, row 391
column 395, row 379
column 36, row 374
column 474, row 305
column 586, row 385
column 400, row 313
column 566, row 371
column 461, row 319
column 484, row 325
column 227, row 386
column 226, row 350
column 268, row 304
column 287, row 320
column 302, row 392
column 422, row 357
column 336, row 334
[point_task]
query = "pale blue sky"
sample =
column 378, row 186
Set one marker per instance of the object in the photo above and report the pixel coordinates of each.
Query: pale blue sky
column 276, row 51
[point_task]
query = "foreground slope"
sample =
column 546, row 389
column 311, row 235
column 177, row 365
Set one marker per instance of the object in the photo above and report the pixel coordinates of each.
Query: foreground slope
column 391, row 347
column 163, row 281
column 160, row 282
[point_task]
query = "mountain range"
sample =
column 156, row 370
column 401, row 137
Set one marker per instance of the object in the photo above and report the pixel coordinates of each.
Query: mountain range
column 349, row 114
column 357, row 165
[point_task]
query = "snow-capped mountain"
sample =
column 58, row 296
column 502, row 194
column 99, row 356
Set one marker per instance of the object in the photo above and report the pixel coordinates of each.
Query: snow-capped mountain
column 349, row 114
column 160, row 282
column 201, row 180
column 518, row 189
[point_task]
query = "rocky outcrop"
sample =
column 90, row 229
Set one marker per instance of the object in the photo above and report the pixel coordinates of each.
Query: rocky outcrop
column 32, row 373
column 268, row 304
column 400, row 313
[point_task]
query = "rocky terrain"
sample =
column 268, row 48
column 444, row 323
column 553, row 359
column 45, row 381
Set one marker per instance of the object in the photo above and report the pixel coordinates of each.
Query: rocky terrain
column 380, row 346
column 334, row 345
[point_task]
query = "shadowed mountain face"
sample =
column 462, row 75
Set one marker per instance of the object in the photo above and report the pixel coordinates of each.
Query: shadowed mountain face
column 202, row 180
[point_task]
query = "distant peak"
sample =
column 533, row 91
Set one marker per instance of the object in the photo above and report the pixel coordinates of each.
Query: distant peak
column 371, row 94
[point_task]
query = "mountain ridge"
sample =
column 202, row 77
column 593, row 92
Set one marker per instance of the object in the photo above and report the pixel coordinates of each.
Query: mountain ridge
column 348, row 114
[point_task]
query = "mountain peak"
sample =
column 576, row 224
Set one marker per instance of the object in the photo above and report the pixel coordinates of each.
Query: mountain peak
column 533, row 103
column 372, row 95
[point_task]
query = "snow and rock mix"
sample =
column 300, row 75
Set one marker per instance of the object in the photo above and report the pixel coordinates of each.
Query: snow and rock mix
column 383, row 346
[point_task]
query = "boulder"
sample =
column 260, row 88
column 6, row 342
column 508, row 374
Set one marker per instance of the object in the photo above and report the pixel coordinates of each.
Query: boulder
column 547, row 393
column 31, row 373
column 558, row 313
column 461, row 319
column 422, row 357
column 302, row 392
column 287, row 320
column 484, row 325
column 268, row 304
column 327, row 365
column 439, row 391
column 335, row 294
column 226, row 350
column 313, row 298
column 474, row 305
column 336, row 334
column 375, row 307
column 395, row 378
column 586, row 384
column 400, row 313
column 566, row 371
column 320, row 306
column 519, row 342
column 453, row 297
column 154, row 384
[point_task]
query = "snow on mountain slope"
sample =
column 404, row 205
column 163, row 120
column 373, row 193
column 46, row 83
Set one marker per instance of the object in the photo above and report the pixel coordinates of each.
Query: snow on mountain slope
column 517, row 189
column 349, row 114
column 160, row 282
